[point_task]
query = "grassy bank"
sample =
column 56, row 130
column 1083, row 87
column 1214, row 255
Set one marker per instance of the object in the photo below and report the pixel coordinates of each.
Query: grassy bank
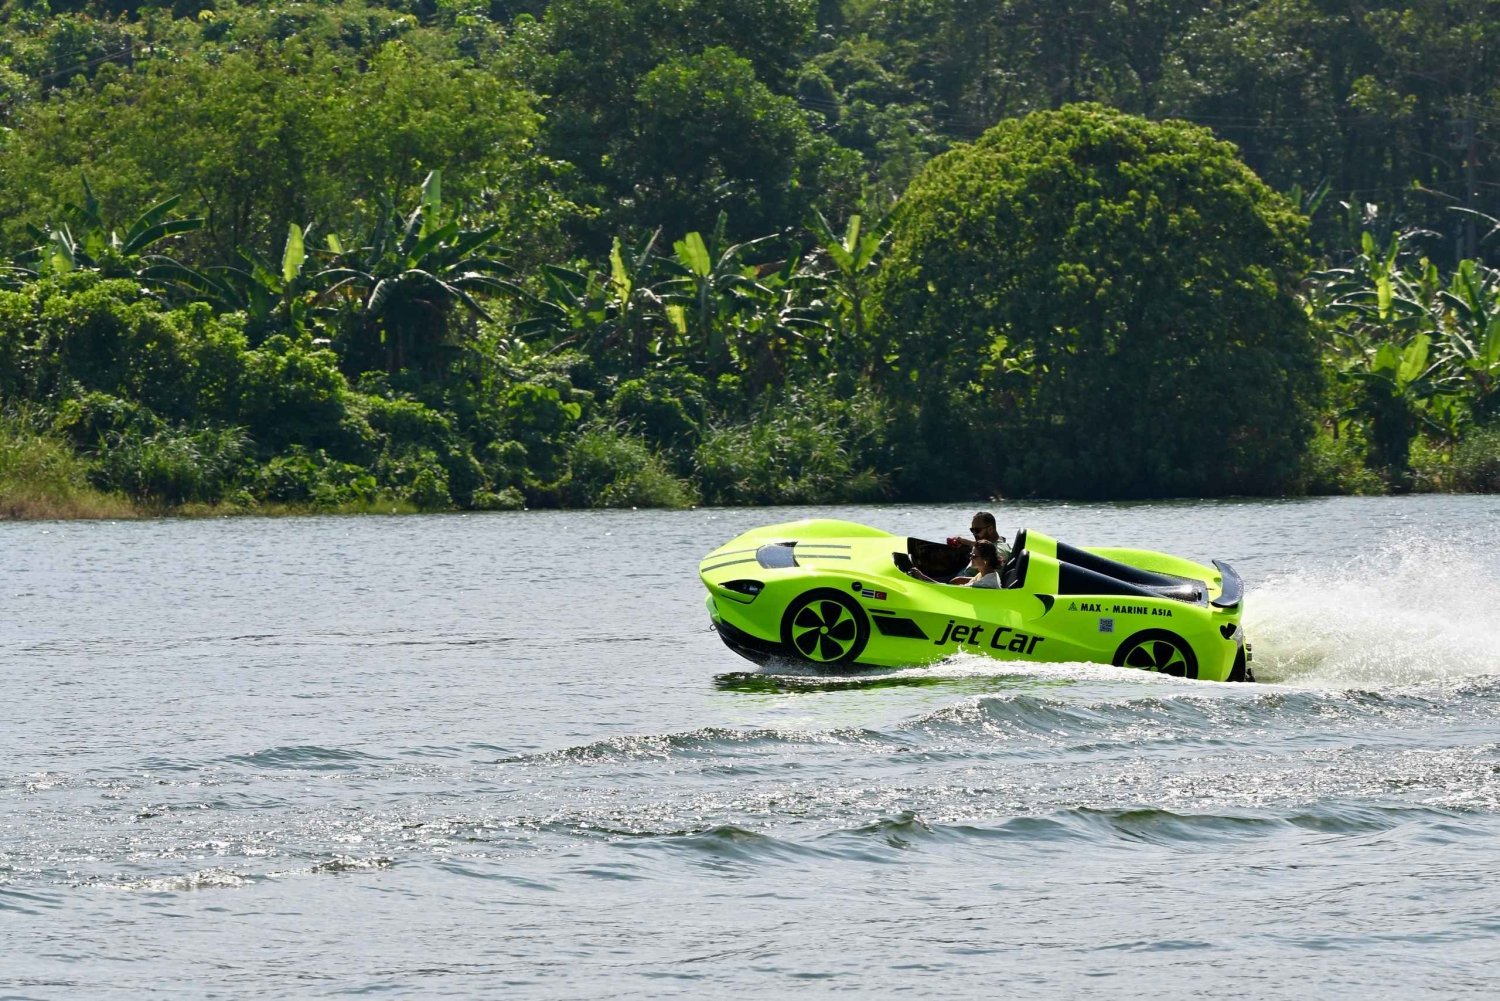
column 42, row 478
column 37, row 483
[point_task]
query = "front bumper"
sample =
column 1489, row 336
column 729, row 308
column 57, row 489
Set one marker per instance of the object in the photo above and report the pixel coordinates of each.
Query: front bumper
column 752, row 648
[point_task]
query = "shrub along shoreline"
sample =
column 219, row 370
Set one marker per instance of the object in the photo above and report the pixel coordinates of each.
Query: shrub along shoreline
column 43, row 479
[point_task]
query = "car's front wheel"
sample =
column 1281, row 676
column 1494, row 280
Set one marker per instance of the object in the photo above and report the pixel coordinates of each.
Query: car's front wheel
column 825, row 626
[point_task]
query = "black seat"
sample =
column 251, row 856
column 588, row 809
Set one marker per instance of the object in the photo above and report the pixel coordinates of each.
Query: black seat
column 1008, row 570
column 1015, row 570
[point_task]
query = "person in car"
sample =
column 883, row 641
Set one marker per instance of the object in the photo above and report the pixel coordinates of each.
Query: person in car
column 982, row 525
column 986, row 567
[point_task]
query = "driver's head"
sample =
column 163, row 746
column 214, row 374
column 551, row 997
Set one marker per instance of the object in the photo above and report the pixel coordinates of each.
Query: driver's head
column 982, row 525
column 986, row 557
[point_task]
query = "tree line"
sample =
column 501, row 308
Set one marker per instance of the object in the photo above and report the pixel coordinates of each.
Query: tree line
column 360, row 255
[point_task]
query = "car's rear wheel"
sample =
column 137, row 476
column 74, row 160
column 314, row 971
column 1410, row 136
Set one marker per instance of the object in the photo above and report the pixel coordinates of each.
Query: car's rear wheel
column 1160, row 651
column 825, row 626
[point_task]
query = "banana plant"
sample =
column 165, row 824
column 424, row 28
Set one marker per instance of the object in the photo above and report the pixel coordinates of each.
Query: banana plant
column 1376, row 293
column 633, row 302
column 14, row 277
column 855, row 259
column 604, row 315
column 568, row 309
column 272, row 298
column 1471, row 335
column 82, row 239
column 714, row 291
column 1383, row 311
column 1398, row 382
column 774, row 327
column 1308, row 202
column 400, row 286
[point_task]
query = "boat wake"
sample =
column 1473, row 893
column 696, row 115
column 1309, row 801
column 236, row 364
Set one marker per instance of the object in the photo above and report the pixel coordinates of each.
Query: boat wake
column 965, row 672
column 1408, row 614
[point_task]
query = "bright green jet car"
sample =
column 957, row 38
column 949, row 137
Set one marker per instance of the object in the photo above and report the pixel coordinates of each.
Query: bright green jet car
column 838, row 594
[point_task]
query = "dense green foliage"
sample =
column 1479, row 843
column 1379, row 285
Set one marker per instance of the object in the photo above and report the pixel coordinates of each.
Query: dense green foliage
column 1415, row 353
column 268, row 130
column 386, row 254
column 1110, row 304
column 42, row 477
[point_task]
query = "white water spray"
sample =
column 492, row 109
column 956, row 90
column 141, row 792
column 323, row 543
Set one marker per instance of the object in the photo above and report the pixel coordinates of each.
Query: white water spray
column 1413, row 611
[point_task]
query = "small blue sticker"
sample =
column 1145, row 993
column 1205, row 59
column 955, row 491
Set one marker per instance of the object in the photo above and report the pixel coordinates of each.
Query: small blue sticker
column 1106, row 625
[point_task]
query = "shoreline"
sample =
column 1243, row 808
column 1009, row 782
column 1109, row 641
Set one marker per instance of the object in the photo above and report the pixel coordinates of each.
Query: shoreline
column 92, row 505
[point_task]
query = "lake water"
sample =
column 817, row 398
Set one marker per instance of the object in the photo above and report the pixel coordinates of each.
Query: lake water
column 504, row 756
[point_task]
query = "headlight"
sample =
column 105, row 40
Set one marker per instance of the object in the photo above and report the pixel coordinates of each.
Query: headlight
column 748, row 588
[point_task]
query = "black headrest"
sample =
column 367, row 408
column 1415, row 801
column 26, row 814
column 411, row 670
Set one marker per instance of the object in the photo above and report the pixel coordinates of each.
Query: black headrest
column 1015, row 574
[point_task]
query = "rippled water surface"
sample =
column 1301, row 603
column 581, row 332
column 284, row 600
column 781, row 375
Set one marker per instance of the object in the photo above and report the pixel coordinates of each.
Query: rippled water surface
column 503, row 756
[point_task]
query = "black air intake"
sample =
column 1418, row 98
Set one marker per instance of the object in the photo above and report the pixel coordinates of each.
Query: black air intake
column 1114, row 568
column 1074, row 579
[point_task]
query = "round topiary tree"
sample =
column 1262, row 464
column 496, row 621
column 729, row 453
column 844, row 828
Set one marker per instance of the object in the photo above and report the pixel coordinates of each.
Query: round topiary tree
column 1096, row 305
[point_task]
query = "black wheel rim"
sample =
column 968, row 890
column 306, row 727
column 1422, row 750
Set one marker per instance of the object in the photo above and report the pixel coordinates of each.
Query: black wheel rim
column 1162, row 656
column 824, row 631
